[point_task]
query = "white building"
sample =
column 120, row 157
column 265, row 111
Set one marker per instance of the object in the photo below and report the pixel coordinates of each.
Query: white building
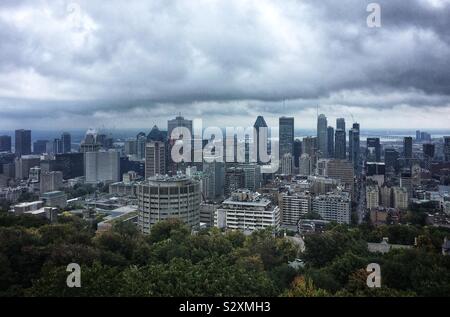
column 248, row 211
column 102, row 166
column 334, row 206
column 400, row 198
column 372, row 197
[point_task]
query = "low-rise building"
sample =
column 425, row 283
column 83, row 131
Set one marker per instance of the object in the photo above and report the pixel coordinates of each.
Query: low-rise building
column 247, row 211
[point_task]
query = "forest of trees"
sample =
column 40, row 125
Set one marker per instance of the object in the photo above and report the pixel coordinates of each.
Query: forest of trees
column 173, row 262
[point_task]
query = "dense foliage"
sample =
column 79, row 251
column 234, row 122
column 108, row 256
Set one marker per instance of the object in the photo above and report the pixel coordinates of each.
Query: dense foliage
column 173, row 262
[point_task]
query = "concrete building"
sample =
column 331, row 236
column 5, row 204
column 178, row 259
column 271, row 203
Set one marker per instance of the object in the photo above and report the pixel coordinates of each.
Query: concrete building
column 400, row 198
column 306, row 166
column 23, row 165
column 102, row 166
column 334, row 206
column 163, row 197
column 54, row 199
column 247, row 211
column 234, row 180
column 293, row 206
column 386, row 196
column 287, row 164
column 155, row 159
column 372, row 197
column 51, row 181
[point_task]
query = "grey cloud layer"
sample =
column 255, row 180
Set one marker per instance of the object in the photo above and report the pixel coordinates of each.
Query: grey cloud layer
column 91, row 57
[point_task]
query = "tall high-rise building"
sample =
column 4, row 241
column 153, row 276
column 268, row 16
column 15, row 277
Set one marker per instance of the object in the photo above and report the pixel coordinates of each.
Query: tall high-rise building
column 5, row 143
column 260, row 137
column 252, row 176
column 234, row 180
column 407, row 147
column 331, row 144
column 178, row 122
column 428, row 150
column 214, row 169
column 305, row 168
column 391, row 157
column 51, row 181
column 322, row 135
column 309, row 146
column 40, row 147
column 66, row 140
column 102, row 166
column 141, row 141
column 286, row 137
column 293, row 206
column 23, row 142
column 400, row 198
column 162, row 197
column 23, row 165
column 155, row 159
column 340, row 124
column 373, row 150
column 90, row 143
column 372, row 197
column 340, row 144
column 354, row 141
column 287, row 164
column 447, row 148
column 57, row 147
column 297, row 152
column 341, row 170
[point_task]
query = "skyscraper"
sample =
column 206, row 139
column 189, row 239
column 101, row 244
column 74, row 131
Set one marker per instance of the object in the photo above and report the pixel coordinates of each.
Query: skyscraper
column 297, row 152
column 373, row 152
column 447, row 148
column 141, row 141
column 178, row 122
column 5, row 143
column 57, row 146
column 391, row 157
column 330, row 142
column 407, row 147
column 286, row 136
column 355, row 145
column 322, row 135
column 234, row 180
column 66, row 141
column 428, row 150
column 155, row 159
column 340, row 146
column 340, row 124
column 23, row 142
column 102, row 166
column 40, row 146
column 259, row 125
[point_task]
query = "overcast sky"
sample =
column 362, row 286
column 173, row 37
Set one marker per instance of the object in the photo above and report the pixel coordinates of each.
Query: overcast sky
column 129, row 64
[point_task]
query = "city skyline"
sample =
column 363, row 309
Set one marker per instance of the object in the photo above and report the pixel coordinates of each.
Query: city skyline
column 77, row 69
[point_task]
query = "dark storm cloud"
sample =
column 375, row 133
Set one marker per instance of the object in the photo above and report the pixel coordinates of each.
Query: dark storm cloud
column 219, row 58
